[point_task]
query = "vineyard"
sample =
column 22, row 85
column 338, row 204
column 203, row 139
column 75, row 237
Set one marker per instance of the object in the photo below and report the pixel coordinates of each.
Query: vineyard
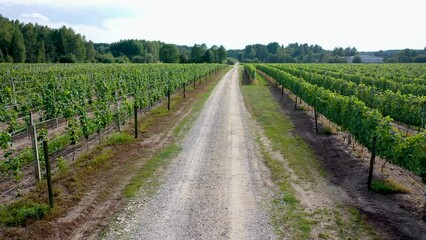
column 70, row 103
column 385, row 102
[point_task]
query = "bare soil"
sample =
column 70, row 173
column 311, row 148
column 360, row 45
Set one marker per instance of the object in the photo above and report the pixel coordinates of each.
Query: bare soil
column 393, row 216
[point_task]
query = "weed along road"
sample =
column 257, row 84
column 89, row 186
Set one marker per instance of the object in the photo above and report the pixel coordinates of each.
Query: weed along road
column 215, row 188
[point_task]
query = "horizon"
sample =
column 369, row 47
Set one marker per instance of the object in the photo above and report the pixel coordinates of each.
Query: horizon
column 381, row 26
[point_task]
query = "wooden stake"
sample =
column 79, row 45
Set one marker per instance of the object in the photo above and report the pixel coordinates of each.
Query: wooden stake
column 48, row 173
column 135, row 108
column 34, row 142
column 372, row 159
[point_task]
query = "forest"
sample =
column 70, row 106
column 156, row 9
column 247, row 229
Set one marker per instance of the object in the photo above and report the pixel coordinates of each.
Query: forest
column 33, row 43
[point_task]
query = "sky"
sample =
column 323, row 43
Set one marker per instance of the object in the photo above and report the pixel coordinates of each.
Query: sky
column 368, row 25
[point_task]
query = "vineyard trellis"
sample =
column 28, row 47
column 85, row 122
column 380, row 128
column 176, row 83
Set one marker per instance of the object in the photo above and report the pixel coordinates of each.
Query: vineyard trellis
column 88, row 97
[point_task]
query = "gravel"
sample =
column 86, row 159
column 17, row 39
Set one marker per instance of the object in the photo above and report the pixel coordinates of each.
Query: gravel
column 214, row 189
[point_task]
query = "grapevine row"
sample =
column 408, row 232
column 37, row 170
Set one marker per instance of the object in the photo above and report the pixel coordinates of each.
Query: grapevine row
column 406, row 108
column 94, row 97
column 361, row 121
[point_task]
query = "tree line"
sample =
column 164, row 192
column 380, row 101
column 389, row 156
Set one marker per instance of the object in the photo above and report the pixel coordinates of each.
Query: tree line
column 292, row 53
column 142, row 51
column 403, row 56
column 33, row 43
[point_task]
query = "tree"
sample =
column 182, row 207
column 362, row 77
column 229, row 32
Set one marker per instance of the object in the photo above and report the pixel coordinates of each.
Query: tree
column 68, row 58
column 1, row 56
column 122, row 59
column 221, row 54
column 41, row 52
column 138, row 59
column 183, row 58
column 130, row 48
column 273, row 47
column 357, row 59
column 6, row 33
column 105, row 58
column 18, row 46
column 79, row 47
column 169, row 53
column 208, row 56
column 90, row 52
column 197, row 53
column 30, row 40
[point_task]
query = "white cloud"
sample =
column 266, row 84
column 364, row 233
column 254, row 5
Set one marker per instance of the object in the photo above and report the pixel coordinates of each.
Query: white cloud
column 365, row 24
column 34, row 17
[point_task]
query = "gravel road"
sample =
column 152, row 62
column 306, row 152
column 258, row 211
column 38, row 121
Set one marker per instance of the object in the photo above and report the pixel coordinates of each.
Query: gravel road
column 215, row 188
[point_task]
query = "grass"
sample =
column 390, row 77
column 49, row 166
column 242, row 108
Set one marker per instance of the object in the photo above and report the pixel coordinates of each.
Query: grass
column 288, row 212
column 280, row 130
column 17, row 213
column 388, row 187
column 119, row 138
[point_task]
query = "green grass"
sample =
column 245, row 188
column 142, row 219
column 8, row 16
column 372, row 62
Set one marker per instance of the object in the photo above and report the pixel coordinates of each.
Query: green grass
column 288, row 212
column 280, row 130
column 17, row 213
column 387, row 187
column 119, row 138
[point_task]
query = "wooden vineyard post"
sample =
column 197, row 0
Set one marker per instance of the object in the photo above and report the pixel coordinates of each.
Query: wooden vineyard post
column 194, row 82
column 282, row 91
column 48, row 173
column 372, row 159
column 135, row 109
column 15, row 104
column 424, row 206
column 33, row 130
column 316, row 116
column 149, row 95
column 117, row 109
column 295, row 104
column 168, row 94
column 184, row 94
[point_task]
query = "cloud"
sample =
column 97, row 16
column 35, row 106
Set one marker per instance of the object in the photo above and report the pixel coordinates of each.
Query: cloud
column 365, row 24
column 34, row 17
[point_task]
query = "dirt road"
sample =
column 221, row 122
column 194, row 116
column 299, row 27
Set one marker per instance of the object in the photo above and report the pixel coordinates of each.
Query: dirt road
column 215, row 188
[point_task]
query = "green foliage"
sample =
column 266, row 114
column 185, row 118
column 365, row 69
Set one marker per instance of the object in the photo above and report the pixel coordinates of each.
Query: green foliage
column 362, row 122
column 169, row 53
column 138, row 59
column 85, row 95
column 18, row 46
column 105, row 58
column 356, row 59
column 390, row 101
column 17, row 213
column 68, row 58
column 119, row 138
column 251, row 71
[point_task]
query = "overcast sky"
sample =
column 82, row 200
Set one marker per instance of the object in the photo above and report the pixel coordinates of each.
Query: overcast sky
column 365, row 24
